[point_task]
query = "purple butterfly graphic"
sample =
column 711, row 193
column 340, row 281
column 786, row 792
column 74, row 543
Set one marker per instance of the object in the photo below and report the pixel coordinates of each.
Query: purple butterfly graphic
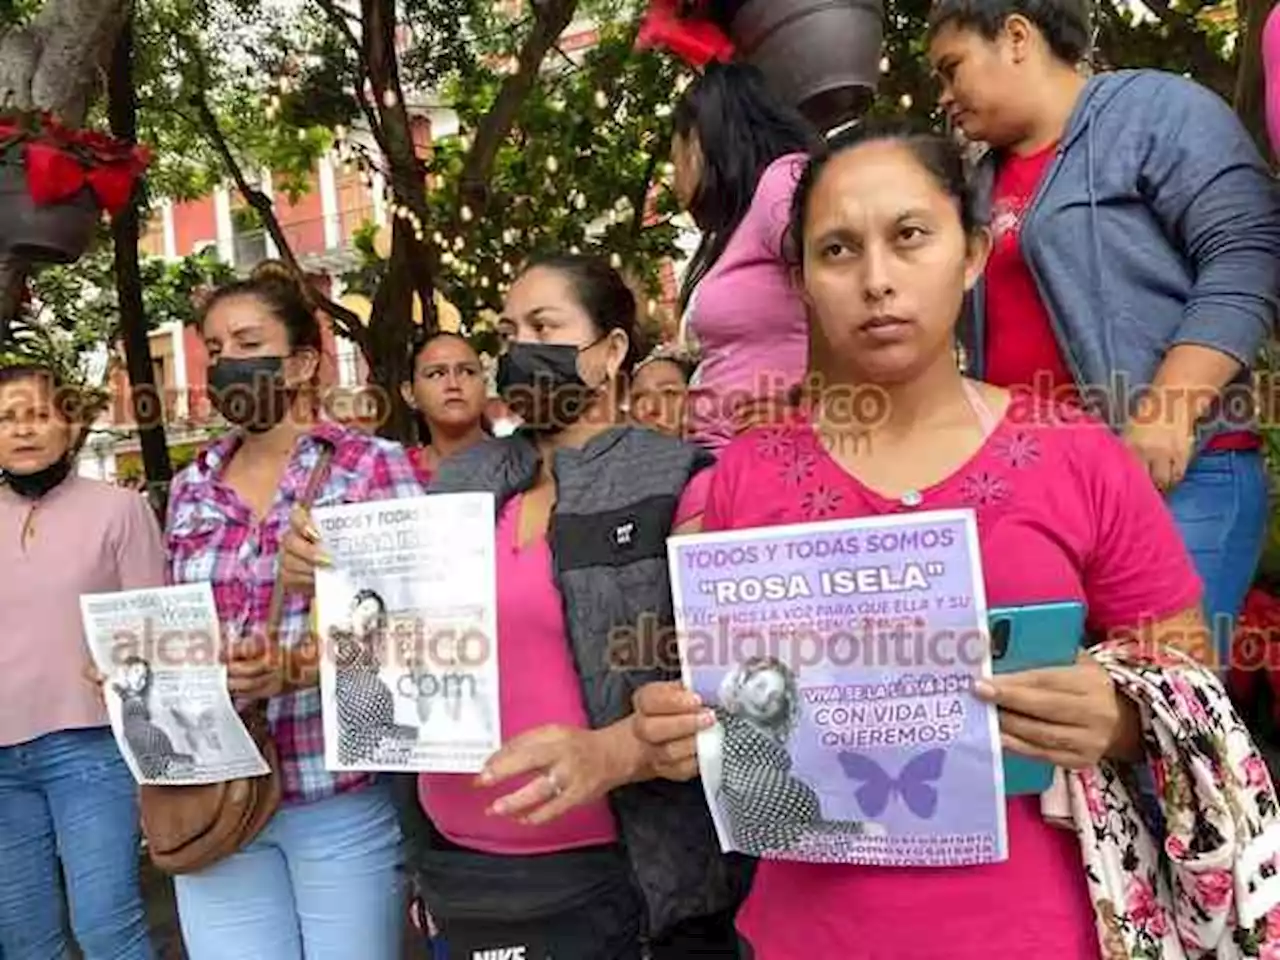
column 915, row 784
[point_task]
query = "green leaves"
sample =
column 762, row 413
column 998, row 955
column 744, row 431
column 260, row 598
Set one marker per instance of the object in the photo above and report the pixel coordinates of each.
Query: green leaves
column 74, row 313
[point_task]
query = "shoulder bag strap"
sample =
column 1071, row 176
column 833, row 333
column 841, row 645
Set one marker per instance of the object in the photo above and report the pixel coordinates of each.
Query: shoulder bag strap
column 275, row 611
column 319, row 473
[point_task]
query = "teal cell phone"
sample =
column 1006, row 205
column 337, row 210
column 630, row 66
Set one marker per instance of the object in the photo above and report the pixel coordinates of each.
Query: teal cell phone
column 1028, row 638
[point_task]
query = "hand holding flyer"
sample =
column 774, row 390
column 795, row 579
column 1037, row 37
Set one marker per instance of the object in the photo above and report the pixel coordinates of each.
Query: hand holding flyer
column 159, row 653
column 407, row 619
column 840, row 659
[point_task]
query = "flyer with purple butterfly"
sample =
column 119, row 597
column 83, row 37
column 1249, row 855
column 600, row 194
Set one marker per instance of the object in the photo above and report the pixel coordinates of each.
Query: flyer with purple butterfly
column 840, row 658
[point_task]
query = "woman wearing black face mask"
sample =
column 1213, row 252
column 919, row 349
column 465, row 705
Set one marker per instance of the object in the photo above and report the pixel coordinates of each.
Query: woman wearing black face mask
column 322, row 879
column 65, row 792
column 562, row 846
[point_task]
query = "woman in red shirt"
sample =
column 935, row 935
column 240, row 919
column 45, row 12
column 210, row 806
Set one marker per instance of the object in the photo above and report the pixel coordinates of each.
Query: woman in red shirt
column 448, row 394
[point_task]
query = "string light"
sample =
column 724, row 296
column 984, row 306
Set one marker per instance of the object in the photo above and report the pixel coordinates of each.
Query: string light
column 615, row 261
column 602, row 99
column 389, row 98
column 465, row 213
column 458, row 243
column 884, row 64
column 438, row 238
column 580, row 202
column 552, row 165
column 906, row 101
column 575, row 250
column 484, row 282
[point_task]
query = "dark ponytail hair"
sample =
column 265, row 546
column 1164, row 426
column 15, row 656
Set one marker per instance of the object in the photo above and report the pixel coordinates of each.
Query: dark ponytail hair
column 285, row 299
column 423, row 338
column 602, row 294
column 742, row 127
column 941, row 156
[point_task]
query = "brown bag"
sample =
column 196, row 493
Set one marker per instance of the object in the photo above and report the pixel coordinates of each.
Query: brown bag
column 189, row 828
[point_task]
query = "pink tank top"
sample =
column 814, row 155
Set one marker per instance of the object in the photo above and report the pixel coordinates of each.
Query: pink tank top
column 538, row 685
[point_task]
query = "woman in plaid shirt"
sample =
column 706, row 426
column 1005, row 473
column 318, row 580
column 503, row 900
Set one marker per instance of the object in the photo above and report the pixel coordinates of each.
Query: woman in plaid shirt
column 323, row 878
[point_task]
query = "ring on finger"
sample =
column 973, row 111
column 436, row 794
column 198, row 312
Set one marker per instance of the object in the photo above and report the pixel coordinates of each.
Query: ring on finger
column 557, row 787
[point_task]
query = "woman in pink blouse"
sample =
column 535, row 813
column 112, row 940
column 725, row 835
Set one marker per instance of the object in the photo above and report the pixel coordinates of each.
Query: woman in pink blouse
column 323, row 878
column 888, row 245
column 447, row 393
column 66, row 796
column 557, row 849
column 737, row 153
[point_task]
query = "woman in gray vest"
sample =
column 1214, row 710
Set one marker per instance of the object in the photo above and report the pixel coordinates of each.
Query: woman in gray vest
column 565, row 846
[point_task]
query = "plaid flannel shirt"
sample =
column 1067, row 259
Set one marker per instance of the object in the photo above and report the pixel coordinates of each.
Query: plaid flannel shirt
column 213, row 536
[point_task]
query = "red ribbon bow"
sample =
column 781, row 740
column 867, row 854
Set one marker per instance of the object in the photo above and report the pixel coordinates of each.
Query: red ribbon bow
column 695, row 40
column 60, row 162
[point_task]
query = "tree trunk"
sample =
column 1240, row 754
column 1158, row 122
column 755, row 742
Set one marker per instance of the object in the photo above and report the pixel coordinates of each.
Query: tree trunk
column 53, row 64
column 411, row 268
column 148, row 406
column 1250, row 95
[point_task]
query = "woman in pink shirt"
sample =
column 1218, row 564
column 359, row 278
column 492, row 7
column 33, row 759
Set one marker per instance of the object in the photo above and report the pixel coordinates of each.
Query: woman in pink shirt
column 559, row 848
column 66, row 797
column 737, row 153
column 448, row 394
column 888, row 246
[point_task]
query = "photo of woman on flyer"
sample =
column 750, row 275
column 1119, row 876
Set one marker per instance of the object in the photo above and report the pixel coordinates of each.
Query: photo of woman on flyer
column 746, row 765
column 366, row 705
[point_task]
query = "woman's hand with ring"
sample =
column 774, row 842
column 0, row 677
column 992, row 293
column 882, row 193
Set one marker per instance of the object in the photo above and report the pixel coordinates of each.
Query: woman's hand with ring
column 573, row 767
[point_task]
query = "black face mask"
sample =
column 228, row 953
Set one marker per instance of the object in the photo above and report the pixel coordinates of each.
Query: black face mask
column 33, row 486
column 250, row 392
column 541, row 384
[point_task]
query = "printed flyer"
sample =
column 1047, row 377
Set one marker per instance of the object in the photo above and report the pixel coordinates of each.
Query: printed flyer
column 840, row 659
column 407, row 618
column 166, row 685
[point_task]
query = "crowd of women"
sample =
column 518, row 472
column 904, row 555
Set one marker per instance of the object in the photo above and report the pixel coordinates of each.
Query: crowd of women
column 1118, row 247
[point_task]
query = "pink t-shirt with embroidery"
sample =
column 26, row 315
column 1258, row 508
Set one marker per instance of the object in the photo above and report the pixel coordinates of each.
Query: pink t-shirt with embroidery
column 1064, row 512
column 746, row 317
column 538, row 686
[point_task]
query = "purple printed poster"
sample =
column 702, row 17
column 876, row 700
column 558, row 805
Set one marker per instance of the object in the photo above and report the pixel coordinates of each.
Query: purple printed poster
column 840, row 660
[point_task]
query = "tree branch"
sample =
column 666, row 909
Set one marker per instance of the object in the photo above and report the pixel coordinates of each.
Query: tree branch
column 341, row 20
column 407, row 171
column 347, row 323
column 551, row 17
column 640, row 202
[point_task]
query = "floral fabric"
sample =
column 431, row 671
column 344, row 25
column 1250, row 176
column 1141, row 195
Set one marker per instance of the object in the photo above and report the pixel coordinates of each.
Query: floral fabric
column 1211, row 889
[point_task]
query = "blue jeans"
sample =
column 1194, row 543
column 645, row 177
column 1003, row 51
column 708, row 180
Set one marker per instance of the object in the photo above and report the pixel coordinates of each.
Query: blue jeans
column 323, row 881
column 69, row 796
column 1221, row 510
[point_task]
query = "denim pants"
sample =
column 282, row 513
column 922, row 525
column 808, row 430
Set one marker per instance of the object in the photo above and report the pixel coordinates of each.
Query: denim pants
column 323, row 881
column 69, row 797
column 1221, row 510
